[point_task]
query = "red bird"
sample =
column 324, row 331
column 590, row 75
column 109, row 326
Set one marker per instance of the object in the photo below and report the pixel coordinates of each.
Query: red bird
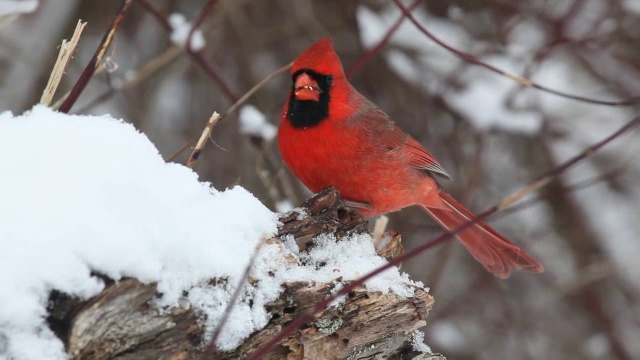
column 330, row 134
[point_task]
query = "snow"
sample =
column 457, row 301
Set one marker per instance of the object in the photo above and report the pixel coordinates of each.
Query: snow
column 12, row 7
column 180, row 33
column 84, row 194
column 328, row 260
column 418, row 343
column 254, row 123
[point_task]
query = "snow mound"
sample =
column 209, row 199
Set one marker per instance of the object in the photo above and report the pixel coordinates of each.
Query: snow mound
column 84, row 194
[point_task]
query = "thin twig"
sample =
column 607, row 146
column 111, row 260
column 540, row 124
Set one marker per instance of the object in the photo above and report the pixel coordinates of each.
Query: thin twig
column 256, row 87
column 578, row 186
column 96, row 60
column 233, row 108
column 181, row 149
column 65, row 96
column 546, row 178
column 156, row 14
column 206, row 11
column 542, row 180
column 212, row 70
column 139, row 75
column 215, row 73
column 215, row 117
column 211, row 350
column 64, row 57
column 521, row 80
column 365, row 58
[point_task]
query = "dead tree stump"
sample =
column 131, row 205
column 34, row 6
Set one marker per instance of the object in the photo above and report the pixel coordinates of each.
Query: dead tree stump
column 121, row 323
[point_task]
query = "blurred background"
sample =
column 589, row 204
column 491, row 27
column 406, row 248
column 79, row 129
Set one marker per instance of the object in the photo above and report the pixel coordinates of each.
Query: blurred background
column 491, row 135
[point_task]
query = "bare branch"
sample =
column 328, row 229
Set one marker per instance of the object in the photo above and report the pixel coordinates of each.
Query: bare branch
column 233, row 108
column 365, row 58
column 140, row 75
column 206, row 11
column 521, row 80
column 96, row 60
column 211, row 69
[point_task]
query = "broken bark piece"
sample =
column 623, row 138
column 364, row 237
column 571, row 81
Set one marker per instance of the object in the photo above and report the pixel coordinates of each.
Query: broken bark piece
column 324, row 213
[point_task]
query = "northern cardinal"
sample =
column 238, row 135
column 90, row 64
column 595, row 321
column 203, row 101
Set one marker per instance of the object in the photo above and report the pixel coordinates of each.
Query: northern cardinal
column 330, row 134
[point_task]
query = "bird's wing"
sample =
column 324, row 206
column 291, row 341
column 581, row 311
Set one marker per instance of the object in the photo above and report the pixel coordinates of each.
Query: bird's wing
column 422, row 159
column 384, row 133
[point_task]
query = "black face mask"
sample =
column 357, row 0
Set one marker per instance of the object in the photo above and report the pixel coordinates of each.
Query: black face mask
column 308, row 113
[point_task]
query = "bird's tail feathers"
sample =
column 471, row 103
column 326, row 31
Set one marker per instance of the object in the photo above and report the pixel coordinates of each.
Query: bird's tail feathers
column 497, row 254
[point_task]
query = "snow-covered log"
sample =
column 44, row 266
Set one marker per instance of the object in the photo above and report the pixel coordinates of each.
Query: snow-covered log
column 121, row 322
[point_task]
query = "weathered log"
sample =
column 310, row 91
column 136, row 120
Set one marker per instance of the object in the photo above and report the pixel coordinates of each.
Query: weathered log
column 367, row 325
column 121, row 322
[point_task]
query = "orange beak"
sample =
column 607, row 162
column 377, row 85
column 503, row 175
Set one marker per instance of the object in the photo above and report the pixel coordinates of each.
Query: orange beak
column 306, row 88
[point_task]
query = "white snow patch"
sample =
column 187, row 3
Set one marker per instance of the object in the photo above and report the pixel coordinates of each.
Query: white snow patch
column 180, row 29
column 87, row 193
column 302, row 213
column 328, row 260
column 350, row 259
column 254, row 123
column 418, row 344
column 289, row 242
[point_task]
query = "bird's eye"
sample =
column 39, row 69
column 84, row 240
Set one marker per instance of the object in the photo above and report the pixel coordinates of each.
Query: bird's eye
column 330, row 79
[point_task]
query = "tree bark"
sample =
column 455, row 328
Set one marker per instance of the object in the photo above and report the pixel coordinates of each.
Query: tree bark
column 121, row 322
